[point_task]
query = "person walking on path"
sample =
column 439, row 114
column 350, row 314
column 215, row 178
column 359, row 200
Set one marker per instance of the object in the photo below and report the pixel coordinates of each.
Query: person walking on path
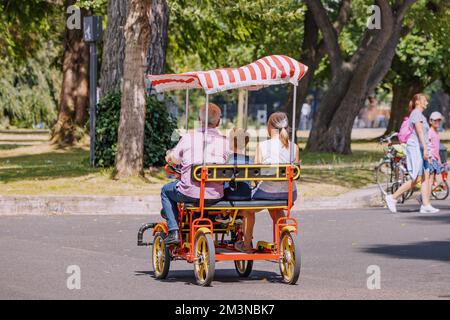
column 418, row 156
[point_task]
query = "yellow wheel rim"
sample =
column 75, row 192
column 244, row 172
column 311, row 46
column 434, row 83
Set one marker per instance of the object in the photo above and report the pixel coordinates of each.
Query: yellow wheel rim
column 287, row 257
column 241, row 265
column 159, row 255
column 201, row 259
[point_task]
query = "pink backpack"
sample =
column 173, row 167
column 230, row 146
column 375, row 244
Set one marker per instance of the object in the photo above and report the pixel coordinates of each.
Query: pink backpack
column 405, row 131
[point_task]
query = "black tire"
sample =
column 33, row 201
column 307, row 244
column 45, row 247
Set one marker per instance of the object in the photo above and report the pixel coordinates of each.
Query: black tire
column 440, row 192
column 160, row 256
column 394, row 188
column 290, row 261
column 383, row 176
column 205, row 259
column 243, row 267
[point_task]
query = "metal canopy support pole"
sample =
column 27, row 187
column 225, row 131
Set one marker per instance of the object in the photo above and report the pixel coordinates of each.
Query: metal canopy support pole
column 92, row 98
column 246, row 110
column 205, row 129
column 187, row 110
column 294, row 131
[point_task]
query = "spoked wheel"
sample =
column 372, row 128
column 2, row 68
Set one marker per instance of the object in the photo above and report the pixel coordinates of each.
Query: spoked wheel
column 440, row 192
column 205, row 259
column 160, row 257
column 290, row 260
column 394, row 188
column 383, row 173
column 405, row 195
column 243, row 267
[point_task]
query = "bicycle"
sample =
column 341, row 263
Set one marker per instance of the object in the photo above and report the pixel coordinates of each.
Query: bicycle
column 441, row 191
column 391, row 172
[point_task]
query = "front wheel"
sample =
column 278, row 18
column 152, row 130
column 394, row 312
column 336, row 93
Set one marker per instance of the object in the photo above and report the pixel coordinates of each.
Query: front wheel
column 290, row 260
column 441, row 191
column 243, row 267
column 383, row 176
column 160, row 257
column 205, row 259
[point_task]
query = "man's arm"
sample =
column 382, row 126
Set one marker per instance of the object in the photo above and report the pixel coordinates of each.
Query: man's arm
column 174, row 156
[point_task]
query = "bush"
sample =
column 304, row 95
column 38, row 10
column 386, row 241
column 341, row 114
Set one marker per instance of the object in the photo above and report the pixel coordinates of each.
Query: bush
column 159, row 126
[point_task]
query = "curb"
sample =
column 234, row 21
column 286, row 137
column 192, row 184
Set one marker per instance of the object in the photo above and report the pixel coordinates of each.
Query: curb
column 356, row 199
column 151, row 205
column 79, row 205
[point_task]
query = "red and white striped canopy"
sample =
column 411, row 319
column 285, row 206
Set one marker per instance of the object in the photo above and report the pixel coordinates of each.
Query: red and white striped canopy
column 270, row 70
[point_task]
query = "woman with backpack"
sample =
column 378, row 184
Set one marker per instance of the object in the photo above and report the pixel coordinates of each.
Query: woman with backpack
column 415, row 130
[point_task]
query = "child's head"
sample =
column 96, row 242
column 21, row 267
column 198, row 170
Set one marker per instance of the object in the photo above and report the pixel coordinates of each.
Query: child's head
column 436, row 119
column 239, row 138
column 278, row 125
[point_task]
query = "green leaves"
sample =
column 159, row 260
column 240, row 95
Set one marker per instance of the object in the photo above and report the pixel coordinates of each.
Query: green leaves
column 29, row 91
column 219, row 33
column 23, row 26
column 159, row 127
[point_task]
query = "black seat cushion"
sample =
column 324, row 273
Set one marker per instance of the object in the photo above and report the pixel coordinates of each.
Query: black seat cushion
column 247, row 203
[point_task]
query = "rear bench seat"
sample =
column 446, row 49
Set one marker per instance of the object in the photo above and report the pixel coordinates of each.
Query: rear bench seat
column 238, row 204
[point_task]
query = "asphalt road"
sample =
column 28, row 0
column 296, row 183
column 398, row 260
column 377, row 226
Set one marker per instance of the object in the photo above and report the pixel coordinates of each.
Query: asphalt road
column 411, row 250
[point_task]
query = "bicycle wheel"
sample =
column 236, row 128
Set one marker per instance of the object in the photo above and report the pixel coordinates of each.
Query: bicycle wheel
column 440, row 192
column 394, row 188
column 408, row 194
column 290, row 262
column 383, row 174
column 205, row 259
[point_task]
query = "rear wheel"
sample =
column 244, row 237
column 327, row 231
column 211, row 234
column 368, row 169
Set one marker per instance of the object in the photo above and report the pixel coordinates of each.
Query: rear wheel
column 290, row 261
column 243, row 267
column 205, row 259
column 160, row 257
column 440, row 192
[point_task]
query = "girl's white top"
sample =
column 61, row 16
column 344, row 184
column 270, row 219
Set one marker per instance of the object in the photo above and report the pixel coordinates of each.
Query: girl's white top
column 273, row 152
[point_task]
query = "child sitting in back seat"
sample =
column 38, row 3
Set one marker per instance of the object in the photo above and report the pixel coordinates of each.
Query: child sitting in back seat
column 237, row 190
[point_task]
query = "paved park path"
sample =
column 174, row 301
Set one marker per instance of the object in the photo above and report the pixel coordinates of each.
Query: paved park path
column 411, row 250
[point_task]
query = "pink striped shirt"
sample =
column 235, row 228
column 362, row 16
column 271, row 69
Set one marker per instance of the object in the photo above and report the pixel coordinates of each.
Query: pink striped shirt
column 435, row 141
column 189, row 151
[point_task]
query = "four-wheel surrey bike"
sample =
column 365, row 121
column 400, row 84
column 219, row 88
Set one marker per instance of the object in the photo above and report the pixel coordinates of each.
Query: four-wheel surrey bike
column 203, row 240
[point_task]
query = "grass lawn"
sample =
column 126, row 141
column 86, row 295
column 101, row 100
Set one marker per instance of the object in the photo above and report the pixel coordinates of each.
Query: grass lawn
column 29, row 165
column 44, row 169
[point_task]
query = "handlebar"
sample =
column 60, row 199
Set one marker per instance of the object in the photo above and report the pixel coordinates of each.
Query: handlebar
column 172, row 170
column 389, row 138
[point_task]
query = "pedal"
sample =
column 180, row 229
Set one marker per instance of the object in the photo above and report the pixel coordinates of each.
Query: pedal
column 261, row 245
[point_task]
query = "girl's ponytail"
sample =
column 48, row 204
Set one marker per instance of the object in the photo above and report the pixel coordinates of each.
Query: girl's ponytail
column 279, row 121
column 284, row 137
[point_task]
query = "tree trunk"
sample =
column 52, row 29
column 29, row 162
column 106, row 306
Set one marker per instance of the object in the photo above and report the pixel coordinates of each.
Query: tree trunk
column 159, row 22
column 111, row 74
column 130, row 149
column 312, row 53
column 74, row 98
column 401, row 95
column 351, row 80
column 311, row 57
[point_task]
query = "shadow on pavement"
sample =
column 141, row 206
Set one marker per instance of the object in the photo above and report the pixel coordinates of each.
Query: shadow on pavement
column 221, row 275
column 438, row 218
column 428, row 250
column 407, row 210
